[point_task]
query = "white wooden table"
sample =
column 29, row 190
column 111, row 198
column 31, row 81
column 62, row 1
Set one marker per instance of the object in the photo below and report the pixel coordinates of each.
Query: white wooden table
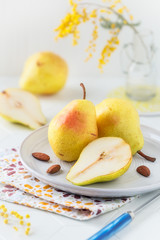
column 48, row 226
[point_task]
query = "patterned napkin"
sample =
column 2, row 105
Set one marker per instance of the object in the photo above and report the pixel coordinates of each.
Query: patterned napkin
column 17, row 185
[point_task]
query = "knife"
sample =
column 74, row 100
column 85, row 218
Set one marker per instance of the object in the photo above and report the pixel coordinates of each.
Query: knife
column 119, row 223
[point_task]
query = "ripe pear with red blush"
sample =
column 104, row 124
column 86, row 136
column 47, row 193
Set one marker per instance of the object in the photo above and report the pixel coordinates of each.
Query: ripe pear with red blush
column 73, row 128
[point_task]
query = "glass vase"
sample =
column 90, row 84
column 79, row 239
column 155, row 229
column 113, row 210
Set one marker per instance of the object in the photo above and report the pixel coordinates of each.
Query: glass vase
column 139, row 67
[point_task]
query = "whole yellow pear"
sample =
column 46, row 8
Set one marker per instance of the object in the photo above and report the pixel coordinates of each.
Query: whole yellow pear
column 119, row 118
column 72, row 129
column 44, row 73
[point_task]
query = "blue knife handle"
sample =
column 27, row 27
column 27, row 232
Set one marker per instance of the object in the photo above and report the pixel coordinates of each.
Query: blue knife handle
column 113, row 227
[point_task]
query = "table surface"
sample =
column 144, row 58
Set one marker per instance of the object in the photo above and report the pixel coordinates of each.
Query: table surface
column 47, row 226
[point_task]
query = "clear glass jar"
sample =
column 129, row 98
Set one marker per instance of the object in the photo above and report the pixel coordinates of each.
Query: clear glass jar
column 140, row 70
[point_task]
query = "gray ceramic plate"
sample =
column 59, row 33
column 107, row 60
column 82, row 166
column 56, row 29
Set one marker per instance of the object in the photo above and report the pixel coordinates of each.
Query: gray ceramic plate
column 130, row 184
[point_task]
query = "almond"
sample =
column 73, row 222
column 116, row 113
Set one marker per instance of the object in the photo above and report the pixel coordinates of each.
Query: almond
column 41, row 156
column 54, row 168
column 143, row 170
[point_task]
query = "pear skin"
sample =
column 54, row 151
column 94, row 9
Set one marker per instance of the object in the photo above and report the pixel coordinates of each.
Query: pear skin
column 72, row 129
column 44, row 73
column 119, row 118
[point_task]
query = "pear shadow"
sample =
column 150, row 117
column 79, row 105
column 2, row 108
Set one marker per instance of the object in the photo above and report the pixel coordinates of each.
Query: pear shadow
column 18, row 125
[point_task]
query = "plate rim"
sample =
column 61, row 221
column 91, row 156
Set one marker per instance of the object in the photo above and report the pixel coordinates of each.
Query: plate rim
column 149, row 114
column 87, row 190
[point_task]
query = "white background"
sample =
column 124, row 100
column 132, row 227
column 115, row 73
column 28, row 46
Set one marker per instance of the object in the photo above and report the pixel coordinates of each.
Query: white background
column 26, row 27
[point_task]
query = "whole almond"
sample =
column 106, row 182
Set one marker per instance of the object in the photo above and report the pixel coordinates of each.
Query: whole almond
column 54, row 168
column 41, row 156
column 143, row 170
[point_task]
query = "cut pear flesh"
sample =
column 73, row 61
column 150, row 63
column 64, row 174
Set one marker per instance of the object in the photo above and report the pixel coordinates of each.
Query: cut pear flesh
column 22, row 107
column 104, row 159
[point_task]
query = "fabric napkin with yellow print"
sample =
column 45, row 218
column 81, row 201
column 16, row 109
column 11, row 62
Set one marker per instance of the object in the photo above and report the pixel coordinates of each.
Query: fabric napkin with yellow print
column 17, row 185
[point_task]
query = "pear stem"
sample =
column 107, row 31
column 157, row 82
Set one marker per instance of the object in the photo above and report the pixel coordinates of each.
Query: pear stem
column 84, row 90
column 151, row 159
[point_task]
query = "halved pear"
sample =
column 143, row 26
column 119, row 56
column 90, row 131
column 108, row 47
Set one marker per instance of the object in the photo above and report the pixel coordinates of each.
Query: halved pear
column 21, row 107
column 104, row 159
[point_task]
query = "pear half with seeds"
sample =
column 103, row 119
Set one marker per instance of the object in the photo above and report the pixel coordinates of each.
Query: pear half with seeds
column 104, row 159
column 21, row 107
